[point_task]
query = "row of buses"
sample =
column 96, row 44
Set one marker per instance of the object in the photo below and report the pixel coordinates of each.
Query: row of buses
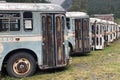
column 45, row 35
column 102, row 33
column 86, row 34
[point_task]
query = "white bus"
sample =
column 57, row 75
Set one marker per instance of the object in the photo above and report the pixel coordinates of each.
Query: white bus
column 78, row 32
column 97, row 33
column 32, row 34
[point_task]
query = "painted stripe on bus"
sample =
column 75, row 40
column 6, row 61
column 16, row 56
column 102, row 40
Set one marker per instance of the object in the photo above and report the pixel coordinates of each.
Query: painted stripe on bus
column 19, row 38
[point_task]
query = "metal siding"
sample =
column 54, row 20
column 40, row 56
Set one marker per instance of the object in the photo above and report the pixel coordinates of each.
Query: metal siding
column 8, row 47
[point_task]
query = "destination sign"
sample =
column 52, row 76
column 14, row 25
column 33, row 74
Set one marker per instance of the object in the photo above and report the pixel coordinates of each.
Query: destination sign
column 8, row 15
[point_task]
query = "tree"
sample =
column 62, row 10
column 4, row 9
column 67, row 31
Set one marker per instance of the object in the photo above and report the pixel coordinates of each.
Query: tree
column 104, row 7
column 96, row 6
column 78, row 5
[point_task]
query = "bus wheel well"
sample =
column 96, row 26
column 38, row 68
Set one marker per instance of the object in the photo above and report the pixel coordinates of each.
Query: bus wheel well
column 16, row 51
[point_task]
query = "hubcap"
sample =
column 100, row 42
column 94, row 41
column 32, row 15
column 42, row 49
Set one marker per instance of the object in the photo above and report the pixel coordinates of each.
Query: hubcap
column 21, row 66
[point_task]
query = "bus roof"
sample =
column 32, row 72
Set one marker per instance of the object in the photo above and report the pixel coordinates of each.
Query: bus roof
column 110, row 22
column 77, row 14
column 92, row 20
column 30, row 7
column 104, row 21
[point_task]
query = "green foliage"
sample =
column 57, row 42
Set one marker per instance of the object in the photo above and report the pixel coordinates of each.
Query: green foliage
column 79, row 5
column 117, row 20
column 104, row 7
column 97, row 7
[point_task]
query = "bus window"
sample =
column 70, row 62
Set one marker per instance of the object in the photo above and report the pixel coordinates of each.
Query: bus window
column 9, row 22
column 97, row 31
column 63, row 22
column 97, row 41
column 68, row 23
column 101, row 27
column 76, row 27
column 4, row 26
column 85, row 28
column 44, row 23
column 58, row 23
column 28, row 22
column 14, row 25
column 93, row 29
column 49, row 23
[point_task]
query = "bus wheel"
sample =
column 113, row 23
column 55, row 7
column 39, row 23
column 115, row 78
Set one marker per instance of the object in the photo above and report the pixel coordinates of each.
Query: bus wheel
column 21, row 65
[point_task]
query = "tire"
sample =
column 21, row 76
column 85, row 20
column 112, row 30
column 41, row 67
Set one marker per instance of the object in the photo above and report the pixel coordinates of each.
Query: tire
column 21, row 65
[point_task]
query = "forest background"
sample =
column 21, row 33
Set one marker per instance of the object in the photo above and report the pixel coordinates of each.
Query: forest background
column 89, row 6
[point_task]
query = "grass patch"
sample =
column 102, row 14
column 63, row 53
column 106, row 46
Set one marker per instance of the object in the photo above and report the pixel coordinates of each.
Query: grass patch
column 97, row 65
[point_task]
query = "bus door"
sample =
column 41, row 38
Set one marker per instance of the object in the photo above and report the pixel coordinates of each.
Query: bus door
column 93, row 34
column 53, row 49
column 78, row 35
column 86, row 40
column 59, row 39
column 99, row 36
column 96, row 35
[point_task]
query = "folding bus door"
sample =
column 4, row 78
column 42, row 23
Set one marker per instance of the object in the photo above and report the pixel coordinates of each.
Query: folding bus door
column 78, row 35
column 48, row 40
column 93, row 31
column 101, row 36
column 53, row 37
column 97, row 36
column 59, row 39
column 86, row 40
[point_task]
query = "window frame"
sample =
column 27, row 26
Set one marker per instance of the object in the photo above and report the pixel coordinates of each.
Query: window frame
column 8, row 18
column 28, row 21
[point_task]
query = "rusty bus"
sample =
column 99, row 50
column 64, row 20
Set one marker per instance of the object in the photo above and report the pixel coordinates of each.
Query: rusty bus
column 32, row 34
column 78, row 32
